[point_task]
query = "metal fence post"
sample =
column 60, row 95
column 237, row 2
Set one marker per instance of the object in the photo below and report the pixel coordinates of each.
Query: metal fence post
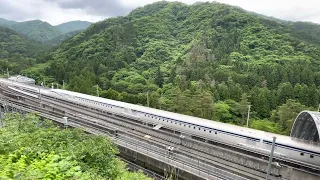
column 65, row 119
column 271, row 157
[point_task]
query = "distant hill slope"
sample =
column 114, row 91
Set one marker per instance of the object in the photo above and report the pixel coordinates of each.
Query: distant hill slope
column 58, row 40
column 37, row 30
column 17, row 52
column 44, row 32
column 73, row 26
column 306, row 31
column 6, row 23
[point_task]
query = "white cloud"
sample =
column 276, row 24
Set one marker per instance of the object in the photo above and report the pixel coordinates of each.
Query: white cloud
column 59, row 11
column 294, row 10
column 23, row 10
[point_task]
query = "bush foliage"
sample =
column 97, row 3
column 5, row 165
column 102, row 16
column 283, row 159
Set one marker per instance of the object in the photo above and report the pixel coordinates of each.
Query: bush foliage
column 35, row 149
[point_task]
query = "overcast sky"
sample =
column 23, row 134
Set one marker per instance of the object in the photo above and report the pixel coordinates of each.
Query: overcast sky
column 59, row 11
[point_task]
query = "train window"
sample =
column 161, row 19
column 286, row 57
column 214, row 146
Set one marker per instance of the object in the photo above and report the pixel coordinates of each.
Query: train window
column 209, row 131
column 215, row 132
column 171, row 121
column 194, row 127
column 175, row 122
column 204, row 130
column 189, row 126
column 199, row 128
column 311, row 156
column 301, row 154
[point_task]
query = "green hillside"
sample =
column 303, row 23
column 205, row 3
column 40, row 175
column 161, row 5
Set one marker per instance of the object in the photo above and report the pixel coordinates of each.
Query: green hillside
column 6, row 23
column 44, row 32
column 58, row 40
column 73, row 26
column 207, row 60
column 306, row 31
column 37, row 30
column 16, row 51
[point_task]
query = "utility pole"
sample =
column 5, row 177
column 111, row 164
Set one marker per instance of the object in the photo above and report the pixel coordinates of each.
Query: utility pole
column 248, row 116
column 44, row 82
column 270, row 158
column 97, row 90
column 51, row 85
column 8, row 72
column 148, row 99
column 62, row 84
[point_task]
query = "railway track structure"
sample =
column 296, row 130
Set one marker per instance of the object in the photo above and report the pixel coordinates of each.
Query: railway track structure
column 162, row 150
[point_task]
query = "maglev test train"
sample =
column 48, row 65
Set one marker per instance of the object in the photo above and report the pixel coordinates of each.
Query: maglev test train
column 293, row 149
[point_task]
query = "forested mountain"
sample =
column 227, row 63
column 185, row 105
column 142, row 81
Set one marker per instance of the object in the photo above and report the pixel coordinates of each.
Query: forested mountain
column 208, row 60
column 16, row 51
column 44, row 32
column 58, row 40
column 37, row 30
column 307, row 31
column 6, row 23
column 73, row 26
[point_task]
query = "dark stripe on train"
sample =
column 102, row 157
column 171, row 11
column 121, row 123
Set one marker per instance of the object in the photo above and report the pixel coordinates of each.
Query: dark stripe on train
column 292, row 148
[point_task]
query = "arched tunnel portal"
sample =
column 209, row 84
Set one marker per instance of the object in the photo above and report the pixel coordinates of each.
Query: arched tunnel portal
column 307, row 126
